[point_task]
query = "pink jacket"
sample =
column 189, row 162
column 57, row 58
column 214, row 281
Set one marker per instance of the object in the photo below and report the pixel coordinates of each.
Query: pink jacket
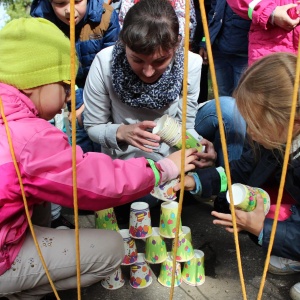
column 44, row 158
column 265, row 38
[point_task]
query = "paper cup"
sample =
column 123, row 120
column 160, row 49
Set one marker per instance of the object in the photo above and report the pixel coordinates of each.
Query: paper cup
column 130, row 248
column 140, row 220
column 155, row 249
column 170, row 132
column 244, row 197
column 140, row 273
column 114, row 281
column 165, row 191
column 106, row 219
column 168, row 219
column 193, row 270
column 165, row 274
column 185, row 250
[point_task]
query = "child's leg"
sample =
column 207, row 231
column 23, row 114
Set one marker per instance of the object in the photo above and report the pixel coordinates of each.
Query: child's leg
column 101, row 253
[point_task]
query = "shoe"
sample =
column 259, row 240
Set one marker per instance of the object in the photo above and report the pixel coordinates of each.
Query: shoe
column 295, row 291
column 283, row 266
column 62, row 221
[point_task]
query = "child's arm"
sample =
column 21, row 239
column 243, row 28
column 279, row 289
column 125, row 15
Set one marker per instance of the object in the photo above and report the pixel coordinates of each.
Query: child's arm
column 47, row 173
column 205, row 182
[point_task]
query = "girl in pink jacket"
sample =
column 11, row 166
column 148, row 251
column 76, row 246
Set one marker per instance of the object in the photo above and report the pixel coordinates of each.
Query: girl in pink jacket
column 274, row 25
column 34, row 86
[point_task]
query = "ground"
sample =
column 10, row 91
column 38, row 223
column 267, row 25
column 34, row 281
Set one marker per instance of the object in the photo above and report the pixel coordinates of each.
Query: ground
column 222, row 277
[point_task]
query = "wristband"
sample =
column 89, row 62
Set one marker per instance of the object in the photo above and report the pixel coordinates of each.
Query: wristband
column 198, row 188
column 155, row 171
column 223, row 178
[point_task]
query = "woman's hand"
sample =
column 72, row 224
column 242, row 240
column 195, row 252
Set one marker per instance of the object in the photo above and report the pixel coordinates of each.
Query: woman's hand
column 189, row 159
column 207, row 158
column 138, row 135
column 252, row 221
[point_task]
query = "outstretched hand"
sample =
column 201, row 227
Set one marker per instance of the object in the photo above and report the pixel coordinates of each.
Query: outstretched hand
column 138, row 135
column 252, row 221
column 189, row 159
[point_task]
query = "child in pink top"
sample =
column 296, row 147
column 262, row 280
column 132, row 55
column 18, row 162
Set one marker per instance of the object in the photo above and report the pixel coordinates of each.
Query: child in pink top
column 34, row 86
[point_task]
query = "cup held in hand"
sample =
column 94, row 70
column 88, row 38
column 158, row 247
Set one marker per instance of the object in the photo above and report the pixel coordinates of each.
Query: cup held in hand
column 170, row 132
column 244, row 197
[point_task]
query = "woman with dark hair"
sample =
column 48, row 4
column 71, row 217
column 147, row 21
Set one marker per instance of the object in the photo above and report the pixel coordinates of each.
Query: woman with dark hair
column 132, row 84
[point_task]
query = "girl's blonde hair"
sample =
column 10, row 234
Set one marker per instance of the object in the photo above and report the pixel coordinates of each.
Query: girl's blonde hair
column 264, row 96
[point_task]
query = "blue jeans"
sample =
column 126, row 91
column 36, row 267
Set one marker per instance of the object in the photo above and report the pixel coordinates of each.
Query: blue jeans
column 229, row 68
column 207, row 125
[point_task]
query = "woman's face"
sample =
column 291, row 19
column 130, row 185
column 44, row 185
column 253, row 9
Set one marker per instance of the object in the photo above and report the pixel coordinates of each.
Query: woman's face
column 62, row 10
column 150, row 67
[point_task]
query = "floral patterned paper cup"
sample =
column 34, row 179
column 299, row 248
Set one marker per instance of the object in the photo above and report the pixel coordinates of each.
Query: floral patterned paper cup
column 114, row 281
column 165, row 275
column 140, row 273
column 130, row 248
column 244, row 197
column 185, row 250
column 106, row 219
column 170, row 131
column 168, row 219
column 155, row 249
column 193, row 270
column 165, row 191
column 140, row 220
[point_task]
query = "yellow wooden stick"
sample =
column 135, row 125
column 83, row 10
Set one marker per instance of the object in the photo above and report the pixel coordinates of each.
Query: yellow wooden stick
column 223, row 140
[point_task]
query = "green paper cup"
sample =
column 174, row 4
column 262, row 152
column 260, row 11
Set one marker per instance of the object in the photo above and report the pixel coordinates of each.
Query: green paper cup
column 244, row 197
column 168, row 219
column 165, row 274
column 106, row 219
column 156, row 249
column 193, row 270
column 185, row 250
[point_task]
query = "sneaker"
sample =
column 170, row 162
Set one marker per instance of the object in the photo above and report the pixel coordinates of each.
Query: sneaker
column 283, row 266
column 62, row 221
column 295, row 291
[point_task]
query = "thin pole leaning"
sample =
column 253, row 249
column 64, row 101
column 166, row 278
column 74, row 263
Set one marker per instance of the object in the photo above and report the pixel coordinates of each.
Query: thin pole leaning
column 73, row 122
column 183, row 133
column 223, row 141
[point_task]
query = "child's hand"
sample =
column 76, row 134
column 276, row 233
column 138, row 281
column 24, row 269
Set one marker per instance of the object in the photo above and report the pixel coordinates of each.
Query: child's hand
column 252, row 221
column 189, row 184
column 207, row 158
column 189, row 159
